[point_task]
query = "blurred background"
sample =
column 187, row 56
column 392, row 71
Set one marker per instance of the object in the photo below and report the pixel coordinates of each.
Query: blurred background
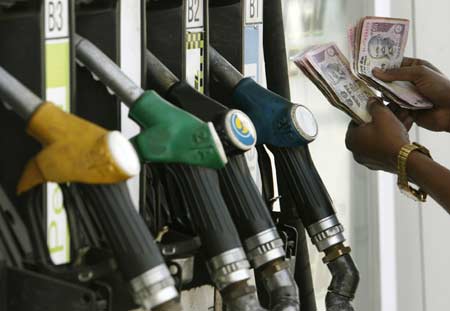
column 398, row 244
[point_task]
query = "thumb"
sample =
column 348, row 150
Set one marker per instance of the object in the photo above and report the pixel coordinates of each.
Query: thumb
column 375, row 105
column 400, row 74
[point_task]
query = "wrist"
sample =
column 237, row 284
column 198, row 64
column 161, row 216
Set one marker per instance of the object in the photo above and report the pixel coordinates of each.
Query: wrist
column 414, row 160
column 407, row 162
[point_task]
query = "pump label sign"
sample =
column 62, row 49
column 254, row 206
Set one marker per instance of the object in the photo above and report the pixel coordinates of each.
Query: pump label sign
column 57, row 72
column 253, row 11
column 195, row 44
column 194, row 14
column 56, row 19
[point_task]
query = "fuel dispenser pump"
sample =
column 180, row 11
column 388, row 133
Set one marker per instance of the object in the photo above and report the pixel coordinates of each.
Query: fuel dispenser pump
column 226, row 259
column 24, row 289
column 286, row 128
column 251, row 216
column 93, row 161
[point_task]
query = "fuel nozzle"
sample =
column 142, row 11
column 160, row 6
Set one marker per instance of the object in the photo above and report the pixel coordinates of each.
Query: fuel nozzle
column 287, row 129
column 235, row 129
column 169, row 134
column 97, row 162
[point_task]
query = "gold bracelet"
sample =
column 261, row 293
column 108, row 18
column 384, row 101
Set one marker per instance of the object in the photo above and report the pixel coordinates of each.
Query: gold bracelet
column 403, row 182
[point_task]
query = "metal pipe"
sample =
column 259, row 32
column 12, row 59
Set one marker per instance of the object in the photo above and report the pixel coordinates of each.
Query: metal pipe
column 222, row 70
column 18, row 96
column 158, row 75
column 107, row 71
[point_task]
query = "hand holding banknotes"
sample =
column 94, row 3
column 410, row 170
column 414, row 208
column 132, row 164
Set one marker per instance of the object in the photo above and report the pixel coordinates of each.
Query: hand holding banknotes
column 431, row 83
column 377, row 144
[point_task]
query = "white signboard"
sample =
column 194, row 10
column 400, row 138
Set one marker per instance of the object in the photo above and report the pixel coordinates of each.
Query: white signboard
column 194, row 14
column 254, row 11
column 56, row 18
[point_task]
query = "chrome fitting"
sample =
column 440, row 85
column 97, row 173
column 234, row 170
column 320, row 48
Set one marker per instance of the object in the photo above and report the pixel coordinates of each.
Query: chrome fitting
column 154, row 287
column 229, row 267
column 264, row 247
column 326, row 233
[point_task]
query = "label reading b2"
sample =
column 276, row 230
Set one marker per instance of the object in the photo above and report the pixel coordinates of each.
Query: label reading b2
column 194, row 14
column 253, row 11
column 56, row 18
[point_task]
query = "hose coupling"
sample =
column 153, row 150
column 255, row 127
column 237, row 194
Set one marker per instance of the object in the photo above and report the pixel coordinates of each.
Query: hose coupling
column 154, row 287
column 229, row 267
column 326, row 233
column 264, row 247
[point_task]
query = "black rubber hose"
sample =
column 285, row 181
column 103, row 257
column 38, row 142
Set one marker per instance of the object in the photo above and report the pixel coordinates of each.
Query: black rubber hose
column 343, row 285
column 274, row 44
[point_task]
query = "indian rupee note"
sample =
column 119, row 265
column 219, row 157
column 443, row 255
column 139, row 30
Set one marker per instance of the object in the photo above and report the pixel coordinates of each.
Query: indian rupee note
column 382, row 45
column 334, row 68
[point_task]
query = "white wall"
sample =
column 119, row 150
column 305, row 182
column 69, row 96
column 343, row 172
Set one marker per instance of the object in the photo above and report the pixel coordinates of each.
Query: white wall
column 433, row 43
column 422, row 230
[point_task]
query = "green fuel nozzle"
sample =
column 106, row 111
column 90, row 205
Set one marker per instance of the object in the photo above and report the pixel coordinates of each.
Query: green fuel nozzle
column 169, row 134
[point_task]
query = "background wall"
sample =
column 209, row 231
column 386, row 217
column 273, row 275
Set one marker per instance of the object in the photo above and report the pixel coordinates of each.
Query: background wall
column 399, row 245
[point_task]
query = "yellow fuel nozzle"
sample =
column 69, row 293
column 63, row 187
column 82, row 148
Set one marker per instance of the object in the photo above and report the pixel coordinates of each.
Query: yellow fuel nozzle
column 75, row 150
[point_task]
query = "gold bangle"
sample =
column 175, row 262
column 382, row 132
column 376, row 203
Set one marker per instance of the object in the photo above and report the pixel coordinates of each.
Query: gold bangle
column 403, row 182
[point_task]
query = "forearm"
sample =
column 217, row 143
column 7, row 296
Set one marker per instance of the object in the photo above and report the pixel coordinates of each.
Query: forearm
column 431, row 176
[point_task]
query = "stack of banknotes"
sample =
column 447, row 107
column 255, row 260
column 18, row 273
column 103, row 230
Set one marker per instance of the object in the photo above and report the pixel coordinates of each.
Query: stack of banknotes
column 375, row 42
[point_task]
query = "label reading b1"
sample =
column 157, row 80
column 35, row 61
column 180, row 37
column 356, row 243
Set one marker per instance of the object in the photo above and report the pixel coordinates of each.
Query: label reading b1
column 253, row 11
column 194, row 14
column 56, row 18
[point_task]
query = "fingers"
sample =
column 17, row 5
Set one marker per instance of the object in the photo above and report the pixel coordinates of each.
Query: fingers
column 408, row 61
column 404, row 115
column 350, row 136
column 410, row 74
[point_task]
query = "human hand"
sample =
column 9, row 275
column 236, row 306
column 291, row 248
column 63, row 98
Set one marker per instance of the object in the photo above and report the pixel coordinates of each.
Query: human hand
column 432, row 84
column 377, row 144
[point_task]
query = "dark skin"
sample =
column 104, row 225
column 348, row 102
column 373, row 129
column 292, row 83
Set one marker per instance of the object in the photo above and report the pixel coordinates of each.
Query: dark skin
column 377, row 144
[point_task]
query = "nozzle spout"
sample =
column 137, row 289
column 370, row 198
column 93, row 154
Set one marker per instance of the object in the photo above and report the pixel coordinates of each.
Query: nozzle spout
column 159, row 77
column 107, row 71
column 18, row 96
column 222, row 70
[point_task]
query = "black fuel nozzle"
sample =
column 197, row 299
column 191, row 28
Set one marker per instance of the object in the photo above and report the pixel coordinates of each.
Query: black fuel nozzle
column 287, row 129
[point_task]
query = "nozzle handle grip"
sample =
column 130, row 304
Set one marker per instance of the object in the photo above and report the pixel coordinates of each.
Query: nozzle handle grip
column 246, row 205
column 210, row 215
column 133, row 245
column 171, row 135
column 300, row 183
column 276, row 119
